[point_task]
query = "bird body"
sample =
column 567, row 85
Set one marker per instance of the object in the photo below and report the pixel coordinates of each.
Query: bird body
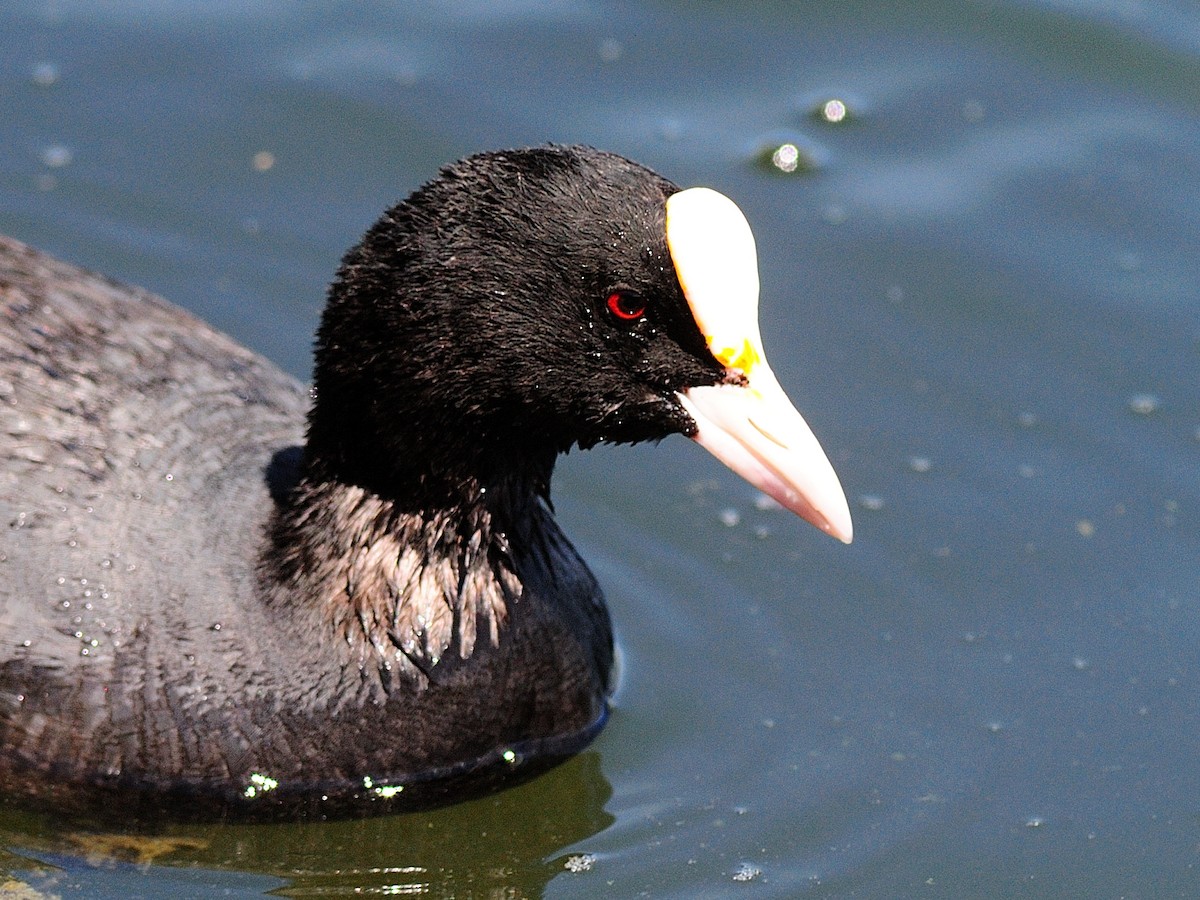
column 206, row 607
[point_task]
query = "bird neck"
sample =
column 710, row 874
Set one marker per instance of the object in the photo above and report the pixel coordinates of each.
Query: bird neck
column 407, row 583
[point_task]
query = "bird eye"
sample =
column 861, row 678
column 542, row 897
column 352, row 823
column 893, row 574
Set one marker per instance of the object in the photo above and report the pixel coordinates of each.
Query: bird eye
column 626, row 306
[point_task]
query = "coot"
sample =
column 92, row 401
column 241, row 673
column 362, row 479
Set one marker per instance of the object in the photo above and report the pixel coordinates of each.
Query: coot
column 207, row 607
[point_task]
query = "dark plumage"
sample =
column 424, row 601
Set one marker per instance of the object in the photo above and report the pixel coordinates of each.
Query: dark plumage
column 196, row 614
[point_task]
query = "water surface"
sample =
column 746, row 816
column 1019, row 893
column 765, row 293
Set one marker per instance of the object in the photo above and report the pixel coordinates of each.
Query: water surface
column 981, row 287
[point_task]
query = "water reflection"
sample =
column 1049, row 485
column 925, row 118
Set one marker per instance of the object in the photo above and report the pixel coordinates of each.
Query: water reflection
column 510, row 844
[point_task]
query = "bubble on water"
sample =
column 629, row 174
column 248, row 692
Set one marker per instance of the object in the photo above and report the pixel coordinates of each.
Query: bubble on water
column 973, row 111
column 831, row 108
column 872, row 502
column 730, row 517
column 787, row 154
column 1035, row 822
column 45, row 74
column 993, row 727
column 1144, row 404
column 746, row 872
column 263, row 161
column 834, row 213
column 920, row 464
column 671, row 130
column 55, row 156
column 611, row 50
column 763, row 502
column 1079, row 663
column 1085, row 528
column 834, row 111
column 786, row 157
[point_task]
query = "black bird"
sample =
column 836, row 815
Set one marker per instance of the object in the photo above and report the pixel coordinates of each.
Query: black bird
column 204, row 608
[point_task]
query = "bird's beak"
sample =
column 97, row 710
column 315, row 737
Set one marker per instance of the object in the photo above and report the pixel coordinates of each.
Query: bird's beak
column 748, row 423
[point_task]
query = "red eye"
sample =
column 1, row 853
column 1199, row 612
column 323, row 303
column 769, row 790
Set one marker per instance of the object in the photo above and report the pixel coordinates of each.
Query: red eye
column 626, row 305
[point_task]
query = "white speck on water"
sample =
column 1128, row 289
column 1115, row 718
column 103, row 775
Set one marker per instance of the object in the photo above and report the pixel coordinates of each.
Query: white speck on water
column 872, row 502
column 1026, row 471
column 1085, row 527
column 45, row 74
column 1144, row 404
column 611, row 50
column 263, row 161
column 1079, row 663
column 762, row 532
column 920, row 464
column 1026, row 419
column 786, row 157
column 580, row 862
column 746, row 872
column 973, row 111
column 994, row 727
column 1035, row 822
column 56, row 156
column 834, row 214
column 730, row 517
column 764, row 502
column 670, row 130
column 833, row 111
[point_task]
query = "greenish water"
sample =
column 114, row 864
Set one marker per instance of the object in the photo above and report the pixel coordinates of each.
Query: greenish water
column 984, row 294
